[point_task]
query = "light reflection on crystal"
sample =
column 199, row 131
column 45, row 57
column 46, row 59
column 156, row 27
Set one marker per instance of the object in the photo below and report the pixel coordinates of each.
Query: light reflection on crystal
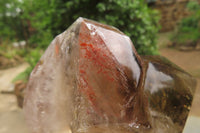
column 91, row 80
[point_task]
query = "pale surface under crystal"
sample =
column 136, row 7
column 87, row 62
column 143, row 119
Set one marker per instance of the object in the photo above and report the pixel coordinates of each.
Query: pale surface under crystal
column 91, row 80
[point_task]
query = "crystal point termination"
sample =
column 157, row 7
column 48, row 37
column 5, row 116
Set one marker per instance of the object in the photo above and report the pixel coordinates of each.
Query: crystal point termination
column 91, row 79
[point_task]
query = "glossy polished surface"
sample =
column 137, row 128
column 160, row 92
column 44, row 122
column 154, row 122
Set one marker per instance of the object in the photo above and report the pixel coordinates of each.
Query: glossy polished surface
column 91, row 80
column 169, row 88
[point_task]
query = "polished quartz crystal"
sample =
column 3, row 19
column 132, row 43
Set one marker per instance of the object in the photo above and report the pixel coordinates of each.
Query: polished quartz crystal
column 91, row 80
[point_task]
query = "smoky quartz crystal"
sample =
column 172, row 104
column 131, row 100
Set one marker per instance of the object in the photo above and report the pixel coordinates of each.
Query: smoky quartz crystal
column 91, row 80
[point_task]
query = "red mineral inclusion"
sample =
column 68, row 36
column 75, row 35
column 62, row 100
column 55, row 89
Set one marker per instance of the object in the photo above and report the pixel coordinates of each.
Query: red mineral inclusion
column 97, row 62
column 91, row 77
column 56, row 49
column 102, row 80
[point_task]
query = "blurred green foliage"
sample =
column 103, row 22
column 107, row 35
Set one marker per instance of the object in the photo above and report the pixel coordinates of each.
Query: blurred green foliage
column 189, row 28
column 39, row 21
column 32, row 58
column 10, row 21
column 9, row 52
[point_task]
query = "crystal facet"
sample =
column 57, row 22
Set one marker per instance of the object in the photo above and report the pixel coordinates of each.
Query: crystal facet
column 91, row 80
